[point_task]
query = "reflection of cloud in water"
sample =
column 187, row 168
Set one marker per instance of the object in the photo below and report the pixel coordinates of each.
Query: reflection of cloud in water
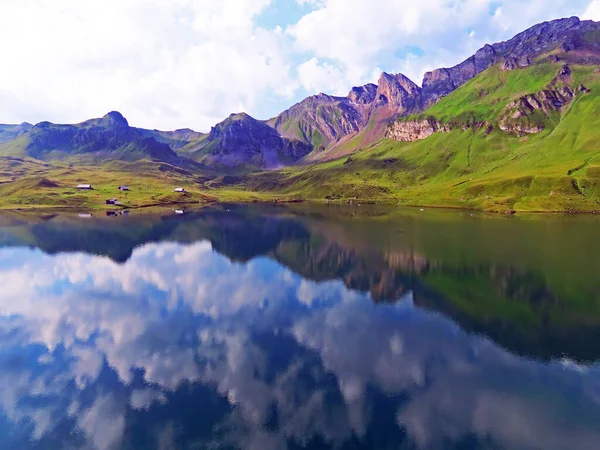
column 179, row 314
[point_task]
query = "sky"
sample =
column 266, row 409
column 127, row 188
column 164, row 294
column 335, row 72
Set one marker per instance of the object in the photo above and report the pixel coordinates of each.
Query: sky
column 171, row 64
column 88, row 329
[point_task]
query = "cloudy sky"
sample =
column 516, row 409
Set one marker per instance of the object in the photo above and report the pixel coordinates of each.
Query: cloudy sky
column 186, row 314
column 189, row 63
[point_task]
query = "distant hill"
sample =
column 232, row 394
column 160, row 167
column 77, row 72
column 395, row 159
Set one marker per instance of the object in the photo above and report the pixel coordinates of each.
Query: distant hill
column 176, row 139
column 11, row 132
column 93, row 141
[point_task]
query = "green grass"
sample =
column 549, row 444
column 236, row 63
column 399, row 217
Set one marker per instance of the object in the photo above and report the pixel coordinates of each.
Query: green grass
column 29, row 183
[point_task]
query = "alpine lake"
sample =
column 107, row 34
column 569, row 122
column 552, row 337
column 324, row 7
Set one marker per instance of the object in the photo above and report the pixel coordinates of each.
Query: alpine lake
column 300, row 327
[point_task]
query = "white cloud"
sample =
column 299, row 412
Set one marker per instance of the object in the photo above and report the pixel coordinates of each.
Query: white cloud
column 183, row 313
column 316, row 76
column 593, row 11
column 176, row 63
column 370, row 34
column 163, row 63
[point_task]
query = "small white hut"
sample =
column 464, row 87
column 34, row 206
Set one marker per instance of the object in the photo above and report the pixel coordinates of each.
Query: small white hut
column 180, row 190
column 84, row 187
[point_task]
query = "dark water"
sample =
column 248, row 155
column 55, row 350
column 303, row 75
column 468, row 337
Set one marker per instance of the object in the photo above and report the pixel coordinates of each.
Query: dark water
column 268, row 328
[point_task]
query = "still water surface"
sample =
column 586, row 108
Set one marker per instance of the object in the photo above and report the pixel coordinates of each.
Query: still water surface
column 270, row 327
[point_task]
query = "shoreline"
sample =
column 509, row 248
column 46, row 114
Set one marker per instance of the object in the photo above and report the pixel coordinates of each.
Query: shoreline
column 353, row 202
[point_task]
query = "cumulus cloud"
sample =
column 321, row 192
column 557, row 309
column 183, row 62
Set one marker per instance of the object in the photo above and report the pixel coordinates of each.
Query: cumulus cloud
column 373, row 34
column 593, row 11
column 176, row 63
column 162, row 63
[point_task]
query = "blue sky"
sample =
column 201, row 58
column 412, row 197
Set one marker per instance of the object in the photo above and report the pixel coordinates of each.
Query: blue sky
column 190, row 63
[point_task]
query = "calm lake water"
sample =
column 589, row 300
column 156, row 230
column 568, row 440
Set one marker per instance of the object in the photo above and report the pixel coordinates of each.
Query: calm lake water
column 299, row 327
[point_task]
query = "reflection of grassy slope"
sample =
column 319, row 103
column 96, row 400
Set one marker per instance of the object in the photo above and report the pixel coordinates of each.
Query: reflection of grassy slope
column 535, row 278
column 478, row 297
column 467, row 168
column 554, row 252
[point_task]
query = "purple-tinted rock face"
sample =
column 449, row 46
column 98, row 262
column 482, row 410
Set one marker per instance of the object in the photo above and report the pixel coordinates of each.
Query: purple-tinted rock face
column 322, row 119
column 363, row 95
column 241, row 139
column 95, row 138
column 399, row 92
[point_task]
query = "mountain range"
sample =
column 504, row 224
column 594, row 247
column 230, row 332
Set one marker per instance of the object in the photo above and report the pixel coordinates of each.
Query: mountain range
column 510, row 90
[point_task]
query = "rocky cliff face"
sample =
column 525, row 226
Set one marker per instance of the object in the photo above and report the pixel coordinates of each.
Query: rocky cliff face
column 526, row 115
column 322, row 119
column 241, row 139
column 414, row 130
column 399, row 93
column 363, row 95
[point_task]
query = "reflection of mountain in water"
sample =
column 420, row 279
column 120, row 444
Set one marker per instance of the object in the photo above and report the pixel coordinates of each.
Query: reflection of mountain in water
column 515, row 305
column 179, row 347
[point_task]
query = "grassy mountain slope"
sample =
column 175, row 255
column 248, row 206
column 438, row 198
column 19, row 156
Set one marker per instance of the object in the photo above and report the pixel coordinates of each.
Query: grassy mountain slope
column 11, row 132
column 557, row 169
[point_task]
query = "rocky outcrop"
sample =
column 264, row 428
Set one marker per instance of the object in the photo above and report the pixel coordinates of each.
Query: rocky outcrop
column 516, row 63
column 363, row 95
column 414, row 130
column 399, row 93
column 323, row 120
column 527, row 114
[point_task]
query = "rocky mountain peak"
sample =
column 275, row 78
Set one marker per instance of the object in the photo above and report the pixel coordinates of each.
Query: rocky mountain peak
column 363, row 95
column 241, row 139
column 115, row 119
column 399, row 92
